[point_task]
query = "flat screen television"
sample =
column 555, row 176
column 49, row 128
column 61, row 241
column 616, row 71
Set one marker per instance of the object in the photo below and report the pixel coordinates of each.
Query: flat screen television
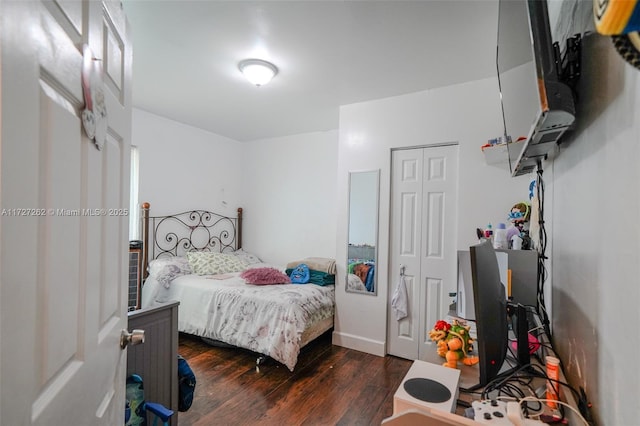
column 536, row 103
column 490, row 302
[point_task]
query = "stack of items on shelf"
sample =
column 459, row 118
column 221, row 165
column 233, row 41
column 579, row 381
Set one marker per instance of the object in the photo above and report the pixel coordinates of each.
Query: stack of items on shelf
column 500, row 140
column 321, row 271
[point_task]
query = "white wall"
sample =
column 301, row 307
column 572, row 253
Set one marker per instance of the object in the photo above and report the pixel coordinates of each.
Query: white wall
column 184, row 168
column 596, row 237
column 286, row 186
column 468, row 114
column 290, row 197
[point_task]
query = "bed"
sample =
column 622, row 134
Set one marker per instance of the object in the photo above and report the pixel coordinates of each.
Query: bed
column 216, row 302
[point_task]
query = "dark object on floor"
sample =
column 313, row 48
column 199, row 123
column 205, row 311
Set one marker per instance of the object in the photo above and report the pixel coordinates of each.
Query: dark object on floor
column 186, row 384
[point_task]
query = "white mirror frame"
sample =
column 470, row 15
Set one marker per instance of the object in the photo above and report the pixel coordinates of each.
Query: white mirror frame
column 362, row 236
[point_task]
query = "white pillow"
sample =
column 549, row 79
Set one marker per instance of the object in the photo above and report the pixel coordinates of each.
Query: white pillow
column 208, row 263
column 165, row 269
column 246, row 257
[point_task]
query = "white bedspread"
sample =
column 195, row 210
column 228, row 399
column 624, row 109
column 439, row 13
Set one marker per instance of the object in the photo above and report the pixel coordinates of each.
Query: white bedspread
column 267, row 319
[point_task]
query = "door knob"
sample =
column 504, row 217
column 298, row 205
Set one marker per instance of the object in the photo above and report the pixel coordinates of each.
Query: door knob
column 134, row 338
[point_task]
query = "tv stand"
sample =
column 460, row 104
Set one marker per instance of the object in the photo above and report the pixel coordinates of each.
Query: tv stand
column 521, row 332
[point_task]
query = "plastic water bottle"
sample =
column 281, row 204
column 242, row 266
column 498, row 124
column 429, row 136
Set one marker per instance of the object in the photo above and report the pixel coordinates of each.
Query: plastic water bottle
column 516, row 242
column 500, row 237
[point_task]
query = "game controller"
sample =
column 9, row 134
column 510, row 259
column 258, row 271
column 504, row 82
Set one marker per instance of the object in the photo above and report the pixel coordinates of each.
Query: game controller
column 501, row 413
column 490, row 412
column 514, row 414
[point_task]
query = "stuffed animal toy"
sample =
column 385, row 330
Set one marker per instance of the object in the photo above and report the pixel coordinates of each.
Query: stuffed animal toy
column 519, row 213
column 519, row 216
column 454, row 343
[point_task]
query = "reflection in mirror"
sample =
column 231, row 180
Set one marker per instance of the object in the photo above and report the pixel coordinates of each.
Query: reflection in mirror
column 363, row 232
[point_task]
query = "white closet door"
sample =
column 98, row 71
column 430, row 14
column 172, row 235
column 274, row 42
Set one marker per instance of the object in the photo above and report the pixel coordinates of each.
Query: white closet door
column 439, row 254
column 423, row 218
column 406, row 246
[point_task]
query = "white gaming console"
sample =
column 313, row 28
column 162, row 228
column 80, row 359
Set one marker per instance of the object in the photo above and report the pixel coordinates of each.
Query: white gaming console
column 429, row 393
column 427, row 385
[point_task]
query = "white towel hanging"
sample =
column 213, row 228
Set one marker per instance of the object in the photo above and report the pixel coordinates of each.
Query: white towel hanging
column 399, row 299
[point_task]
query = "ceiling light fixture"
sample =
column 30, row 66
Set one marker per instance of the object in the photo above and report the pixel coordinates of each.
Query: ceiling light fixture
column 257, row 71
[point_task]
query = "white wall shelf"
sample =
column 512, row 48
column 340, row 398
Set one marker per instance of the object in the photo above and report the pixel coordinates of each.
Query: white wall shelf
column 498, row 154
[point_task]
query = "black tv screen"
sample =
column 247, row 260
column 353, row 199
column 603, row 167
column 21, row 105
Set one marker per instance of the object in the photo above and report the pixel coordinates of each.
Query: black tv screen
column 536, row 104
column 490, row 302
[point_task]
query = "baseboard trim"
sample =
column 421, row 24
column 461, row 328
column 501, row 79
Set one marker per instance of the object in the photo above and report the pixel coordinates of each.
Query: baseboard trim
column 358, row 343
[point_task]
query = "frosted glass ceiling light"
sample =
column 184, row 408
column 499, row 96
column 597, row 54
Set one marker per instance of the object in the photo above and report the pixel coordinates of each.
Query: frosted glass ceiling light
column 257, row 71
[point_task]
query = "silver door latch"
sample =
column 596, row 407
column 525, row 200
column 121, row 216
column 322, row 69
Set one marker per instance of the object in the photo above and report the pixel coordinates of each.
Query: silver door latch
column 134, row 338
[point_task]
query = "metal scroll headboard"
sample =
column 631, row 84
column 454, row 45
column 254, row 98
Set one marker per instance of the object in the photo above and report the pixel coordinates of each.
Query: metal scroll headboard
column 195, row 230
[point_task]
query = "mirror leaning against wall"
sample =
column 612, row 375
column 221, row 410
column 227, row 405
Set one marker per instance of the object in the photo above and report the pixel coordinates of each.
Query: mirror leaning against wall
column 362, row 252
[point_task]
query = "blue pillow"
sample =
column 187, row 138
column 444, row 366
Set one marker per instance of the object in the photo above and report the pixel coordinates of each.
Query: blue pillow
column 300, row 274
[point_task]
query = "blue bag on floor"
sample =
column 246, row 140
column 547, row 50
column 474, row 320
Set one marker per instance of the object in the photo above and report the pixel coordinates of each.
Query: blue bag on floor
column 186, row 384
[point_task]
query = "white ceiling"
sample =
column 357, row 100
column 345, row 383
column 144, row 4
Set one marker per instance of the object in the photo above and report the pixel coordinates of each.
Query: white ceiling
column 329, row 53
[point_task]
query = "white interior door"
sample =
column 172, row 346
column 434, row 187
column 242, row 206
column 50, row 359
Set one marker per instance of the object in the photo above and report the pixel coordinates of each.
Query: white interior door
column 64, row 226
column 423, row 218
column 406, row 248
column 439, row 259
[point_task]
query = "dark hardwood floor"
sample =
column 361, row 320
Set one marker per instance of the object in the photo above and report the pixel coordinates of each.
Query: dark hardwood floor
column 330, row 385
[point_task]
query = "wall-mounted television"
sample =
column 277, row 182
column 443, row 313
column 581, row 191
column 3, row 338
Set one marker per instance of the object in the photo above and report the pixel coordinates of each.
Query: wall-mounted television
column 537, row 102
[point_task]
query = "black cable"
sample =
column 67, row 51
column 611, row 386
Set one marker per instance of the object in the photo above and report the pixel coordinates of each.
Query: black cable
column 514, row 383
column 502, row 379
column 542, row 247
column 538, row 371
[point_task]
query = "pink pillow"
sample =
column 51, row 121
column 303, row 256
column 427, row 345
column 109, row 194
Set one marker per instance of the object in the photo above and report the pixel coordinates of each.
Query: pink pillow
column 262, row 276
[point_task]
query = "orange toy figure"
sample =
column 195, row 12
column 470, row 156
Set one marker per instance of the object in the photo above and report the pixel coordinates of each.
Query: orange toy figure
column 454, row 343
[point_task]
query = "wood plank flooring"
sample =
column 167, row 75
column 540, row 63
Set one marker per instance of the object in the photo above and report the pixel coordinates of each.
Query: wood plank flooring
column 330, row 385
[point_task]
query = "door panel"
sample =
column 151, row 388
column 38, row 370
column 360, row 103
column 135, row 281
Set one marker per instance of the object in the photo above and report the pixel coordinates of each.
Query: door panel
column 64, row 227
column 409, row 209
column 435, row 219
column 58, row 300
column 111, row 188
column 432, row 311
column 113, row 59
column 68, row 14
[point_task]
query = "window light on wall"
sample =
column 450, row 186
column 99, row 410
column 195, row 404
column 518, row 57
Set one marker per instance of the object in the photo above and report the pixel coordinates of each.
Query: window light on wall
column 134, row 207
